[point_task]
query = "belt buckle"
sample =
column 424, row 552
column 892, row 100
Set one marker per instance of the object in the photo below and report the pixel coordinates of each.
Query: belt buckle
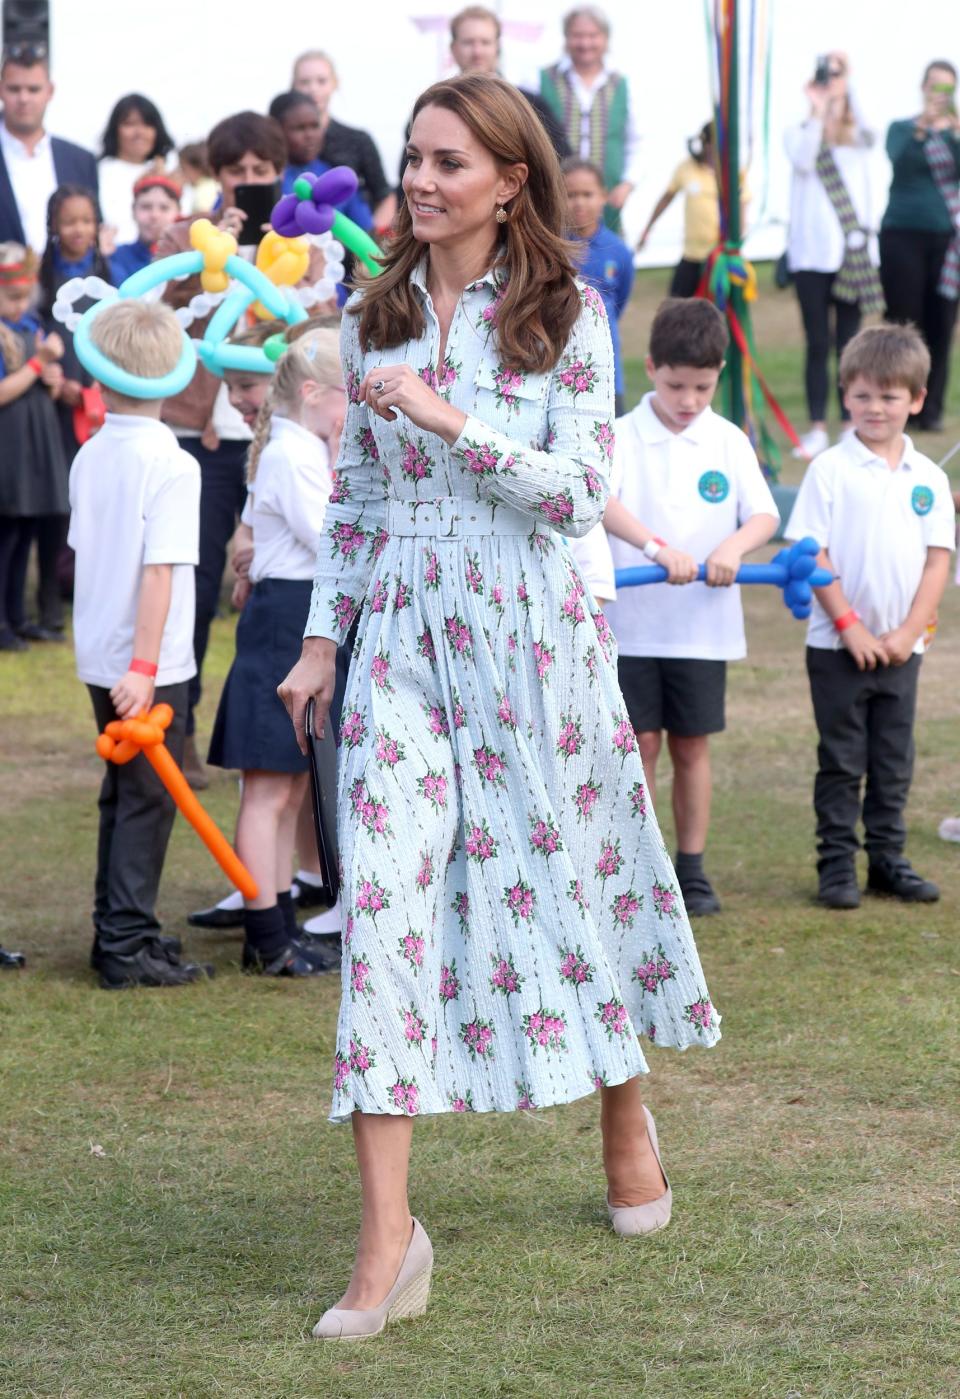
column 448, row 519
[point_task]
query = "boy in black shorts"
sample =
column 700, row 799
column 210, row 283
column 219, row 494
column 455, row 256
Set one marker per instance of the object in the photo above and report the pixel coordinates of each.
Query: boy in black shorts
column 686, row 488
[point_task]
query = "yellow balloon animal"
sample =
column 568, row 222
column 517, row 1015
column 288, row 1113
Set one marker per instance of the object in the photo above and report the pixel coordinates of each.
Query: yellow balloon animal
column 284, row 261
column 216, row 247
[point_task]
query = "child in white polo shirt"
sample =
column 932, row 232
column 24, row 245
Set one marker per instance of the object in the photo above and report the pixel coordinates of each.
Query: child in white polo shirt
column 884, row 516
column 135, row 521
column 686, row 488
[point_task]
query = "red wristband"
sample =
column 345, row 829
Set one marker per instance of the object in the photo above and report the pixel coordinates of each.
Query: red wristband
column 36, row 365
column 143, row 668
column 847, row 620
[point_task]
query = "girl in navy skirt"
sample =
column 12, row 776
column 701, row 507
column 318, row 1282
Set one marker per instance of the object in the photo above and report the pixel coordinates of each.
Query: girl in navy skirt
column 289, row 484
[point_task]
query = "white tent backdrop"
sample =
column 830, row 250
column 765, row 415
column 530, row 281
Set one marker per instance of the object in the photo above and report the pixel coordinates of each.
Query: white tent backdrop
column 199, row 61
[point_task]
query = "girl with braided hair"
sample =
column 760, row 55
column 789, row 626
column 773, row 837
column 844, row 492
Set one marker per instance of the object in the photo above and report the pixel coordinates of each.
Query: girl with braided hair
column 289, row 482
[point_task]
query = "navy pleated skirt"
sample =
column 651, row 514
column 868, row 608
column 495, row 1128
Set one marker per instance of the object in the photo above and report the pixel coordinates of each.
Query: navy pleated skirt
column 252, row 730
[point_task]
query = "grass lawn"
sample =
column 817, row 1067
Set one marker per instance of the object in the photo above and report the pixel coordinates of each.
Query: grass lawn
column 177, row 1213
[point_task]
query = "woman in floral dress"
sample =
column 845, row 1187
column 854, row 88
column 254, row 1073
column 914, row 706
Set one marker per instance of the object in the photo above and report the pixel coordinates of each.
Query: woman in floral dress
column 512, row 917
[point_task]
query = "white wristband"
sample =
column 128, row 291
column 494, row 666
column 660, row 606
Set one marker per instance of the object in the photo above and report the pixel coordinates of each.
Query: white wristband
column 653, row 547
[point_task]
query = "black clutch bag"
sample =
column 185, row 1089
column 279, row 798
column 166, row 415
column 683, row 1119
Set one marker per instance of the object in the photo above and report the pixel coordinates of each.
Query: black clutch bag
column 322, row 753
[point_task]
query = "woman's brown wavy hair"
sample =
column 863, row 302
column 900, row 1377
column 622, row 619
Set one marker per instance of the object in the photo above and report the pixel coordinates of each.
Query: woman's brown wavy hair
column 540, row 302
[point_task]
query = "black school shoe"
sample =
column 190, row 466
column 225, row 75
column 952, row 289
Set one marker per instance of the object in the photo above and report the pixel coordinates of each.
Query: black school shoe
column 310, row 895
column 296, row 958
column 838, row 886
column 11, row 959
column 216, row 918
column 9, row 641
column 165, row 945
column 152, row 965
column 36, row 631
column 894, row 876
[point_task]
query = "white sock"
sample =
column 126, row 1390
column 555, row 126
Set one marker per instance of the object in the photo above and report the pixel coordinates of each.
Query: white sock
column 315, row 881
column 329, row 922
column 233, row 901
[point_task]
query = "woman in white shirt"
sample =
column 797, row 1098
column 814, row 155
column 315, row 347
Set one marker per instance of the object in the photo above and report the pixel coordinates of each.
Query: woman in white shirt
column 289, row 485
column 829, row 232
column 135, row 142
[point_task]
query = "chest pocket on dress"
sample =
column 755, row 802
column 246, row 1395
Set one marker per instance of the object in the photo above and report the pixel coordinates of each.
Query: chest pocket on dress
column 503, row 396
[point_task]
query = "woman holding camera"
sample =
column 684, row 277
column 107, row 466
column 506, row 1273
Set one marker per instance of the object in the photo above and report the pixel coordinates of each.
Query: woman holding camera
column 827, row 247
column 920, row 232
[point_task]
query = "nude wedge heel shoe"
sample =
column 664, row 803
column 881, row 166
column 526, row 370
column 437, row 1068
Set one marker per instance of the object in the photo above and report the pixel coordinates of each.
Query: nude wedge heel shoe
column 631, row 1220
column 407, row 1297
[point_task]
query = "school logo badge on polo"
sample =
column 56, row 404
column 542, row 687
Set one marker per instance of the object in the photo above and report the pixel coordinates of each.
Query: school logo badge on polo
column 922, row 500
column 714, row 487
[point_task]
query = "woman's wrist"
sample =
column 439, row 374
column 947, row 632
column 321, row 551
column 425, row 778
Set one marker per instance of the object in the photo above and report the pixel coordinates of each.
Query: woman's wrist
column 451, row 424
column 319, row 646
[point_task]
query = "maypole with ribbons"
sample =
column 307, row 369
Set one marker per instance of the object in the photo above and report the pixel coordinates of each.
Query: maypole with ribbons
column 740, row 79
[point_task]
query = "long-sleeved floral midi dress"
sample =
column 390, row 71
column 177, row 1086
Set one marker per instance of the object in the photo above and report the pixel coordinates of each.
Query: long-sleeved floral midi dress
column 512, row 917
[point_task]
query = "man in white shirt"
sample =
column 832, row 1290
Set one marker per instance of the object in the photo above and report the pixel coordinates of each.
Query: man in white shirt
column 593, row 103
column 32, row 163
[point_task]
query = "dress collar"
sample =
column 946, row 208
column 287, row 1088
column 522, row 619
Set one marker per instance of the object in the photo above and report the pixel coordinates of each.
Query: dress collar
column 494, row 278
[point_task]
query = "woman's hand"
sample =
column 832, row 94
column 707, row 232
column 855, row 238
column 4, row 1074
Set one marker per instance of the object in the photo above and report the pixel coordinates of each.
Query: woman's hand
column 404, row 391
column 232, row 221
column 819, row 99
column 313, row 677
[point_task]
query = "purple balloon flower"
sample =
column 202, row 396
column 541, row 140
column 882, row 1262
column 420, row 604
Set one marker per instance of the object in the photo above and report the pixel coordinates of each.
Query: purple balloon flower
column 312, row 205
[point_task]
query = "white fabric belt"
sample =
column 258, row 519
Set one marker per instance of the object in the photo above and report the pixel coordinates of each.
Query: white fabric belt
column 453, row 517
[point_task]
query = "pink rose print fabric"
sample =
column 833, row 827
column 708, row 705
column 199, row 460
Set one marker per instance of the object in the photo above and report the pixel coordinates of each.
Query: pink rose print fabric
column 514, row 920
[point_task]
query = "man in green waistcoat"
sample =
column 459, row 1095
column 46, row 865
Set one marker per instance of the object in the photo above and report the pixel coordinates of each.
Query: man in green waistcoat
column 593, row 104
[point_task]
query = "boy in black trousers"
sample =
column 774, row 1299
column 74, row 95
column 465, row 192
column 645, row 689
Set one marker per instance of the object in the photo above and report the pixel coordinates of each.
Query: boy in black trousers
column 884, row 517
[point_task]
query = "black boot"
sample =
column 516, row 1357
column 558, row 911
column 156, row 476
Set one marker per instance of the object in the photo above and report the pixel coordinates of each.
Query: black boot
column 11, row 959
column 894, row 875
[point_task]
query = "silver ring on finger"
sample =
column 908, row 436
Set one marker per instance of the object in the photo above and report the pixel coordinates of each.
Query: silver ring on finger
column 378, row 386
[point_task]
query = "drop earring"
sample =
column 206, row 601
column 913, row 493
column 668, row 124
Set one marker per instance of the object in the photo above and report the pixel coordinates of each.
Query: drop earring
column 501, row 215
